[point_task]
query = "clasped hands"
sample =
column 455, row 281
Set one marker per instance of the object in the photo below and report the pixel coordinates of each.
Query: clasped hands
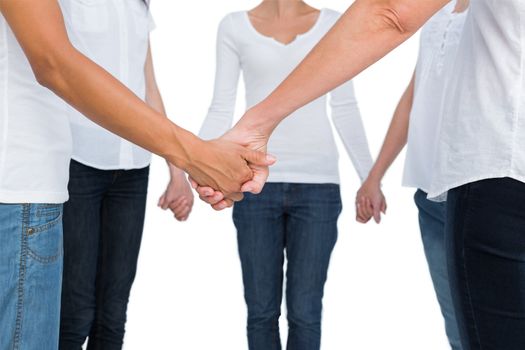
column 225, row 168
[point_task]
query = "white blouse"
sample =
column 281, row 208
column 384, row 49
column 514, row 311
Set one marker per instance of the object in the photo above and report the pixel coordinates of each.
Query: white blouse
column 439, row 42
column 35, row 139
column 483, row 126
column 303, row 143
column 115, row 35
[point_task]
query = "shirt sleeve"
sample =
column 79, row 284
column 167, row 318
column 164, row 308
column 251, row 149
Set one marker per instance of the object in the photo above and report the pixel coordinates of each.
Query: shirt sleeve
column 349, row 125
column 228, row 68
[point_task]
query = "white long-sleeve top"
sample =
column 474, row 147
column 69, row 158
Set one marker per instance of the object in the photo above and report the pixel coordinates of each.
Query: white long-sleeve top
column 303, row 143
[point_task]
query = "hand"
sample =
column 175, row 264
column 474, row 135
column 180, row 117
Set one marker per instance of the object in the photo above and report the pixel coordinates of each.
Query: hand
column 226, row 166
column 370, row 202
column 178, row 197
column 252, row 138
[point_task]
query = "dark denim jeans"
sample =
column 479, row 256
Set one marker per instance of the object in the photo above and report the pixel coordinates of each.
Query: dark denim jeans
column 432, row 226
column 486, row 255
column 103, row 223
column 300, row 219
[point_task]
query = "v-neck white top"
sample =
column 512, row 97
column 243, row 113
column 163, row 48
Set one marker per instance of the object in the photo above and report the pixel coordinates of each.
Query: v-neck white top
column 439, row 43
column 483, row 126
column 115, row 35
column 304, row 142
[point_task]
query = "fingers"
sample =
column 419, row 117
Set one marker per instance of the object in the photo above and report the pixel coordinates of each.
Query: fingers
column 205, row 191
column 182, row 210
column 376, row 208
column 162, row 201
column 258, row 158
column 212, row 200
column 226, row 203
column 256, row 184
column 368, row 209
column 361, row 210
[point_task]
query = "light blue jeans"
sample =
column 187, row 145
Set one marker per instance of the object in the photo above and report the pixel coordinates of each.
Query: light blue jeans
column 30, row 276
column 432, row 226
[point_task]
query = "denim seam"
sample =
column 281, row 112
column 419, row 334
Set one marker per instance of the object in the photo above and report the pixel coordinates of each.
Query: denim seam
column 21, row 277
column 46, row 210
column 43, row 260
column 47, row 226
column 468, row 213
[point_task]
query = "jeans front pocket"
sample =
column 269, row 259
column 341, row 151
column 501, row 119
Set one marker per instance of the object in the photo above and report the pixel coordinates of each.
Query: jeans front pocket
column 44, row 232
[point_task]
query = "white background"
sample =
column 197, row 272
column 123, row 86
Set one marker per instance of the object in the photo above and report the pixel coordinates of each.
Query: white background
column 188, row 293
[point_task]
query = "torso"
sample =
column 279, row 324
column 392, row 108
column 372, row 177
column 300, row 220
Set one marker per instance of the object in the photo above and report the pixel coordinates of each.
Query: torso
column 305, row 139
column 483, row 127
column 439, row 43
column 35, row 138
column 115, row 35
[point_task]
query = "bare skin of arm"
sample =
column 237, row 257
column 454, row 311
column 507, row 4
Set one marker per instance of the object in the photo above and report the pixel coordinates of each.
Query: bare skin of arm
column 178, row 196
column 57, row 65
column 370, row 201
column 366, row 32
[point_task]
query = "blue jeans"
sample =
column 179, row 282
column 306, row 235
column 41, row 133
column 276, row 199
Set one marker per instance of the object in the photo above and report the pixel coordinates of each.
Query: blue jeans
column 432, row 225
column 486, row 255
column 30, row 276
column 103, row 224
column 300, row 219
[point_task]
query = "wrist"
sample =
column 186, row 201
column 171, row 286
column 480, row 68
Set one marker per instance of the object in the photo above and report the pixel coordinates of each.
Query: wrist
column 374, row 178
column 183, row 146
column 262, row 118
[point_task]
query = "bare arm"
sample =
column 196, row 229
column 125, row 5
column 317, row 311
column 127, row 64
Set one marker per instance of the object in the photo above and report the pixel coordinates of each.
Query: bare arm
column 370, row 200
column 40, row 30
column 366, row 32
column 178, row 196
column 396, row 137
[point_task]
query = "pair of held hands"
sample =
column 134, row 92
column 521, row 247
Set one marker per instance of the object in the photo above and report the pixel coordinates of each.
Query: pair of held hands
column 223, row 169
column 220, row 171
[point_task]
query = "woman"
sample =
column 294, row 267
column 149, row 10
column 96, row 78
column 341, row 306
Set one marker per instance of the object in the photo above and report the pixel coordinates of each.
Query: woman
column 298, row 209
column 104, row 217
column 41, row 71
column 480, row 158
column 421, row 107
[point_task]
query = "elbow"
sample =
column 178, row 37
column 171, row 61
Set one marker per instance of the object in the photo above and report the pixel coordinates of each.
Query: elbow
column 46, row 69
column 395, row 15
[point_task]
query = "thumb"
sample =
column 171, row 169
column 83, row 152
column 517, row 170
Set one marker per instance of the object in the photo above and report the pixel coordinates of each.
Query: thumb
column 162, row 200
column 259, row 158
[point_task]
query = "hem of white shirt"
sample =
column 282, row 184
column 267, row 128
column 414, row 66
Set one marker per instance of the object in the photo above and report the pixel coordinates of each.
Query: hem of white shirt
column 113, row 167
column 410, row 184
column 303, row 178
column 15, row 197
column 440, row 195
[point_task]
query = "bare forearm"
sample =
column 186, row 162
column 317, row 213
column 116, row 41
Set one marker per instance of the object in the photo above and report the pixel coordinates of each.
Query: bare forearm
column 80, row 82
column 155, row 101
column 396, row 137
column 365, row 33
column 40, row 30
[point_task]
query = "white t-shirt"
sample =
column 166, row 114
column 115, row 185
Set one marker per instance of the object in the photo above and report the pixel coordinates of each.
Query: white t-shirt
column 115, row 35
column 35, row 140
column 35, row 135
column 483, row 125
column 303, row 143
column 439, row 44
